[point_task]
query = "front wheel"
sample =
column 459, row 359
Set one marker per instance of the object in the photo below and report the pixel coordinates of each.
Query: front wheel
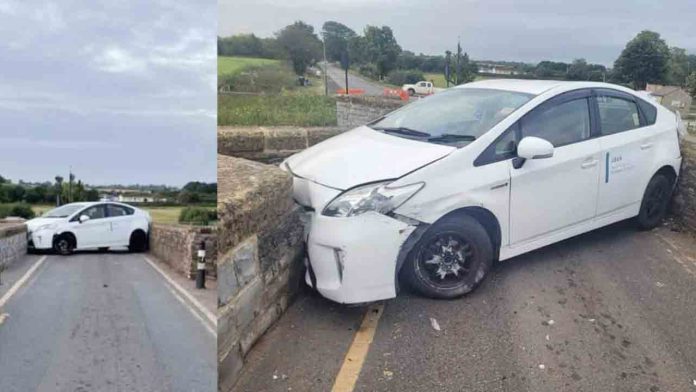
column 63, row 245
column 451, row 259
column 656, row 198
column 411, row 92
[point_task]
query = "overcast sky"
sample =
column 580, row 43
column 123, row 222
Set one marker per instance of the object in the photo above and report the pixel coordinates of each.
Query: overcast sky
column 519, row 30
column 124, row 91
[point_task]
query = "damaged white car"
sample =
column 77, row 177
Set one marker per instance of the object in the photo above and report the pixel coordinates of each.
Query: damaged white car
column 436, row 192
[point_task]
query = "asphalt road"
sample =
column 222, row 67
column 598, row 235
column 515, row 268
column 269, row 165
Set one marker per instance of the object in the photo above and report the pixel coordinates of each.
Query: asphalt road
column 611, row 310
column 102, row 322
column 337, row 80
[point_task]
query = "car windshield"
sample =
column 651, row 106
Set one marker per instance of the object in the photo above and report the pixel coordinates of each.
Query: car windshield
column 63, row 211
column 453, row 116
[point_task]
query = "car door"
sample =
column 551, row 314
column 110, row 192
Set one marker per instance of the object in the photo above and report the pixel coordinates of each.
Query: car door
column 120, row 219
column 552, row 194
column 627, row 142
column 92, row 233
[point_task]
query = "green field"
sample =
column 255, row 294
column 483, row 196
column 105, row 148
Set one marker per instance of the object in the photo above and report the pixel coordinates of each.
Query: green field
column 301, row 110
column 234, row 65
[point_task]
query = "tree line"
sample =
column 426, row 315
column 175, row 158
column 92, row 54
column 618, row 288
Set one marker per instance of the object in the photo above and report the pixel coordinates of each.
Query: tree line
column 376, row 53
column 60, row 192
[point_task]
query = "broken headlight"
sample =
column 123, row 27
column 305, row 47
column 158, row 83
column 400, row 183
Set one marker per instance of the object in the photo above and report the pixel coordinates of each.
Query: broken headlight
column 378, row 197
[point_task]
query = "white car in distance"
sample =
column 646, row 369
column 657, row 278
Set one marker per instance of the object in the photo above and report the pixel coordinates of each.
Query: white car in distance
column 92, row 225
column 437, row 191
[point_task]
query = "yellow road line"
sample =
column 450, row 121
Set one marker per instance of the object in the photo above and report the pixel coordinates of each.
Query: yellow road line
column 353, row 362
column 20, row 282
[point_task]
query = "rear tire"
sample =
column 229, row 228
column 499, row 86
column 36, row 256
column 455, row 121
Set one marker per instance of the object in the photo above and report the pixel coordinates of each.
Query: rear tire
column 411, row 92
column 451, row 258
column 64, row 245
column 138, row 242
column 653, row 207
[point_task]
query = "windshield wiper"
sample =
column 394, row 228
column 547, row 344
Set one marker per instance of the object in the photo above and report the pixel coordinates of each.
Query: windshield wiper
column 452, row 137
column 403, row 131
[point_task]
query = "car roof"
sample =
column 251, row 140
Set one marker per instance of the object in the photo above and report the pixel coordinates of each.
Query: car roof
column 535, row 87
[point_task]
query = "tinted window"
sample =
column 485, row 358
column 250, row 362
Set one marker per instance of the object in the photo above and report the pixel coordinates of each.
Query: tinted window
column 116, row 211
column 505, row 147
column 560, row 124
column 96, row 212
column 649, row 111
column 617, row 115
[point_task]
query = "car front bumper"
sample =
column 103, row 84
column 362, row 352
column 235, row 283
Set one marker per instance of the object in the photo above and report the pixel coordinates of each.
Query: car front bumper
column 42, row 239
column 354, row 259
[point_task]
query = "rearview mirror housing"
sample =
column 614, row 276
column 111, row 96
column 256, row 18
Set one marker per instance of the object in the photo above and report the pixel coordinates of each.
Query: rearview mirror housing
column 532, row 147
column 84, row 218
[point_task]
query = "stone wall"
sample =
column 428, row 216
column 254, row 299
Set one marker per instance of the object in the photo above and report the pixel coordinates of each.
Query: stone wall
column 260, row 257
column 177, row 246
column 270, row 144
column 13, row 242
column 684, row 206
column 354, row 111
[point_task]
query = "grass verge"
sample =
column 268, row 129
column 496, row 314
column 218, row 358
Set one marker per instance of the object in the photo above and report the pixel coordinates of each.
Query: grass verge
column 300, row 110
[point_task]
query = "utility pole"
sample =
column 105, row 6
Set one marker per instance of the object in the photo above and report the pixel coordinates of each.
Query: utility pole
column 326, row 66
column 71, row 177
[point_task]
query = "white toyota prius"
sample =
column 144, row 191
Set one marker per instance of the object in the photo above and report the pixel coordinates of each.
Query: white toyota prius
column 93, row 225
column 437, row 191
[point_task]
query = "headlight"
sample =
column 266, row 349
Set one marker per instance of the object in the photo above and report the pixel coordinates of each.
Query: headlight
column 50, row 226
column 378, row 197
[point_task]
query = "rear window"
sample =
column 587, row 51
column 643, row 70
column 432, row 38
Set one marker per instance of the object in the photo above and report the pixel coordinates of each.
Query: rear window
column 649, row 111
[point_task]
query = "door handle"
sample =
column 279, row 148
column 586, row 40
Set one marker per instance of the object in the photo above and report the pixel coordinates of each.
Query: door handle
column 588, row 164
column 646, row 146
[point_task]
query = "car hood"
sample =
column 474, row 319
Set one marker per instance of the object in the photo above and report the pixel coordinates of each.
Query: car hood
column 32, row 224
column 361, row 156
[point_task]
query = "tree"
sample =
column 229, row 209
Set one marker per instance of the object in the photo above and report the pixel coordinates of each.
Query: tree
column 643, row 60
column 336, row 37
column 301, row 44
column 678, row 66
column 578, row 70
column 461, row 69
column 381, row 48
column 691, row 84
column 3, row 180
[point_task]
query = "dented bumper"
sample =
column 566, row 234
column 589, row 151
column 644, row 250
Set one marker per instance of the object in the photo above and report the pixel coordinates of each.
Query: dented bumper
column 354, row 259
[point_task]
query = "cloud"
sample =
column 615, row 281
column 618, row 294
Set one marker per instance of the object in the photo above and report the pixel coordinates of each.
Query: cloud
column 126, row 82
column 118, row 60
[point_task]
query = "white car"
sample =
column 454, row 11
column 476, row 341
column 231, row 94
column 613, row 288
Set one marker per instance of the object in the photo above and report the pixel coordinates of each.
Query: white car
column 93, row 225
column 438, row 190
column 421, row 88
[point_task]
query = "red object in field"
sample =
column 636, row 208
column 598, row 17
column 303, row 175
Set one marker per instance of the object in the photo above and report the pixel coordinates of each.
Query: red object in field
column 351, row 91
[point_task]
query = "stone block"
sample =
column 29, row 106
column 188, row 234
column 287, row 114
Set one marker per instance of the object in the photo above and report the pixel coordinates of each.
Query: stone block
column 285, row 138
column 248, row 303
column 245, row 260
column 232, row 140
column 228, row 284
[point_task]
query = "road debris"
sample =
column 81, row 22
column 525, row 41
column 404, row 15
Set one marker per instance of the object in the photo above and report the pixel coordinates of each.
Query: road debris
column 434, row 324
column 387, row 373
column 659, row 284
column 542, row 366
column 547, row 337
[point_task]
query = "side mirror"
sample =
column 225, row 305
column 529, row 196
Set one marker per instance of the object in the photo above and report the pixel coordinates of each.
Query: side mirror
column 532, row 147
column 84, row 218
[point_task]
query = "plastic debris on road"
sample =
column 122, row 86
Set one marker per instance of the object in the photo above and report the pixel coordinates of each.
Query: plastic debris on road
column 434, row 324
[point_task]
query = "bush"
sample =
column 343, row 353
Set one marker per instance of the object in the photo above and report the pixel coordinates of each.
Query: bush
column 197, row 215
column 369, row 70
column 21, row 210
column 405, row 76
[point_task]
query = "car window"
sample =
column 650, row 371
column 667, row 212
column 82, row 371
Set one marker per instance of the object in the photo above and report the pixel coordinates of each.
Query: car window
column 617, row 115
column 649, row 111
column 96, row 212
column 561, row 124
column 116, row 211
